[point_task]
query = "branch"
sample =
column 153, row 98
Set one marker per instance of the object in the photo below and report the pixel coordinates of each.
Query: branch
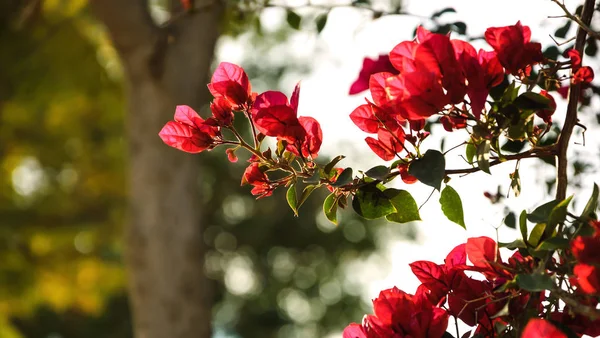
column 571, row 118
column 129, row 23
column 532, row 153
column 377, row 13
column 580, row 21
column 575, row 305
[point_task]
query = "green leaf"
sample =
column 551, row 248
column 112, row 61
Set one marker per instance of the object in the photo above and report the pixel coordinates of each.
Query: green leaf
column 511, row 220
column 442, row 12
column 330, row 208
column 510, row 93
column 532, row 101
column 281, row 144
column 523, row 225
column 535, row 282
column 515, row 182
column 554, row 243
column 541, row 213
column 321, row 21
column 460, row 27
column 452, row 206
column 513, row 146
column 405, row 205
column 558, row 215
column 344, row 178
column 592, row 204
column 332, row 164
column 305, row 193
column 293, row 19
column 314, row 179
column 536, row 234
column 470, row 152
column 371, row 203
column 379, row 172
column 483, row 156
column 292, row 199
column 429, row 169
column 517, row 243
column 562, row 31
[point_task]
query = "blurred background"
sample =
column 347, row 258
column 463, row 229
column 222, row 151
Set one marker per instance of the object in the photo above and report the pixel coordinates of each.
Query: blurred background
column 90, row 197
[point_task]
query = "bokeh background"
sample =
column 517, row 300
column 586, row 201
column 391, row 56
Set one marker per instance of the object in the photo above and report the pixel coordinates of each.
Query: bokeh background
column 65, row 168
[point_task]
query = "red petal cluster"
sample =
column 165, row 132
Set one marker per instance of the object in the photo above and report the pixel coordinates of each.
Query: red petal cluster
column 270, row 113
column 586, row 250
column 230, row 82
column 541, row 328
column 514, row 48
column 370, row 67
column 432, row 72
column 580, row 74
column 399, row 314
column 254, row 176
column 546, row 114
column 275, row 116
column 476, row 302
column 189, row 132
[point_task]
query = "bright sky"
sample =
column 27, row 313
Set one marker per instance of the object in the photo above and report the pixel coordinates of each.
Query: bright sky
column 338, row 53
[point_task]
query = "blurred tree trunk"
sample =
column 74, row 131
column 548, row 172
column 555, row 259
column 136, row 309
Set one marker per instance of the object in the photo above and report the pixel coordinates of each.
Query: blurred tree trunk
column 164, row 66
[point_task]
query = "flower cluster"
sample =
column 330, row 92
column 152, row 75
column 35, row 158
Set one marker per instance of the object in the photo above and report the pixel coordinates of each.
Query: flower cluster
column 492, row 304
column 586, row 250
column 269, row 114
column 436, row 75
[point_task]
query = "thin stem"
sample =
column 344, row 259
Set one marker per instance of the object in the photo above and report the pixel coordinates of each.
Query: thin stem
column 427, row 200
column 574, row 94
column 581, row 21
column 376, row 12
column 456, row 326
column 256, row 145
column 532, row 153
column 247, row 146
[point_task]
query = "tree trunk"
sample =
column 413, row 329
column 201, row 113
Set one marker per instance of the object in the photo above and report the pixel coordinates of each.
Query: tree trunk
column 166, row 66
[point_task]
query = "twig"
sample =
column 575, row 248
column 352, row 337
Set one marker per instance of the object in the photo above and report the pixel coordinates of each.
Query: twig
column 574, row 93
column 536, row 152
column 582, row 22
column 588, row 311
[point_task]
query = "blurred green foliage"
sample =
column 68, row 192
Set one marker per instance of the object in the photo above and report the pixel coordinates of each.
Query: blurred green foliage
column 63, row 199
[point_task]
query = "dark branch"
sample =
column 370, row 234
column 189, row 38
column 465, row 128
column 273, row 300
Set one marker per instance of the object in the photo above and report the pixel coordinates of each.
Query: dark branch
column 571, row 119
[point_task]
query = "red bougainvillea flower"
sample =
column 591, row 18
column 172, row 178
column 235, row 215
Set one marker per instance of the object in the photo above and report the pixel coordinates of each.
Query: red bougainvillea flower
column 587, row 277
column 583, row 75
column 540, row 328
column 189, row 132
column 404, row 175
column 432, row 53
column 370, row 67
column 312, row 143
column 274, row 116
column 482, row 70
column 546, row 114
column 370, row 118
column 397, row 315
column 515, row 51
column 254, row 176
column 575, row 57
column 221, row 110
column 230, row 82
column 453, row 122
column 388, row 144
